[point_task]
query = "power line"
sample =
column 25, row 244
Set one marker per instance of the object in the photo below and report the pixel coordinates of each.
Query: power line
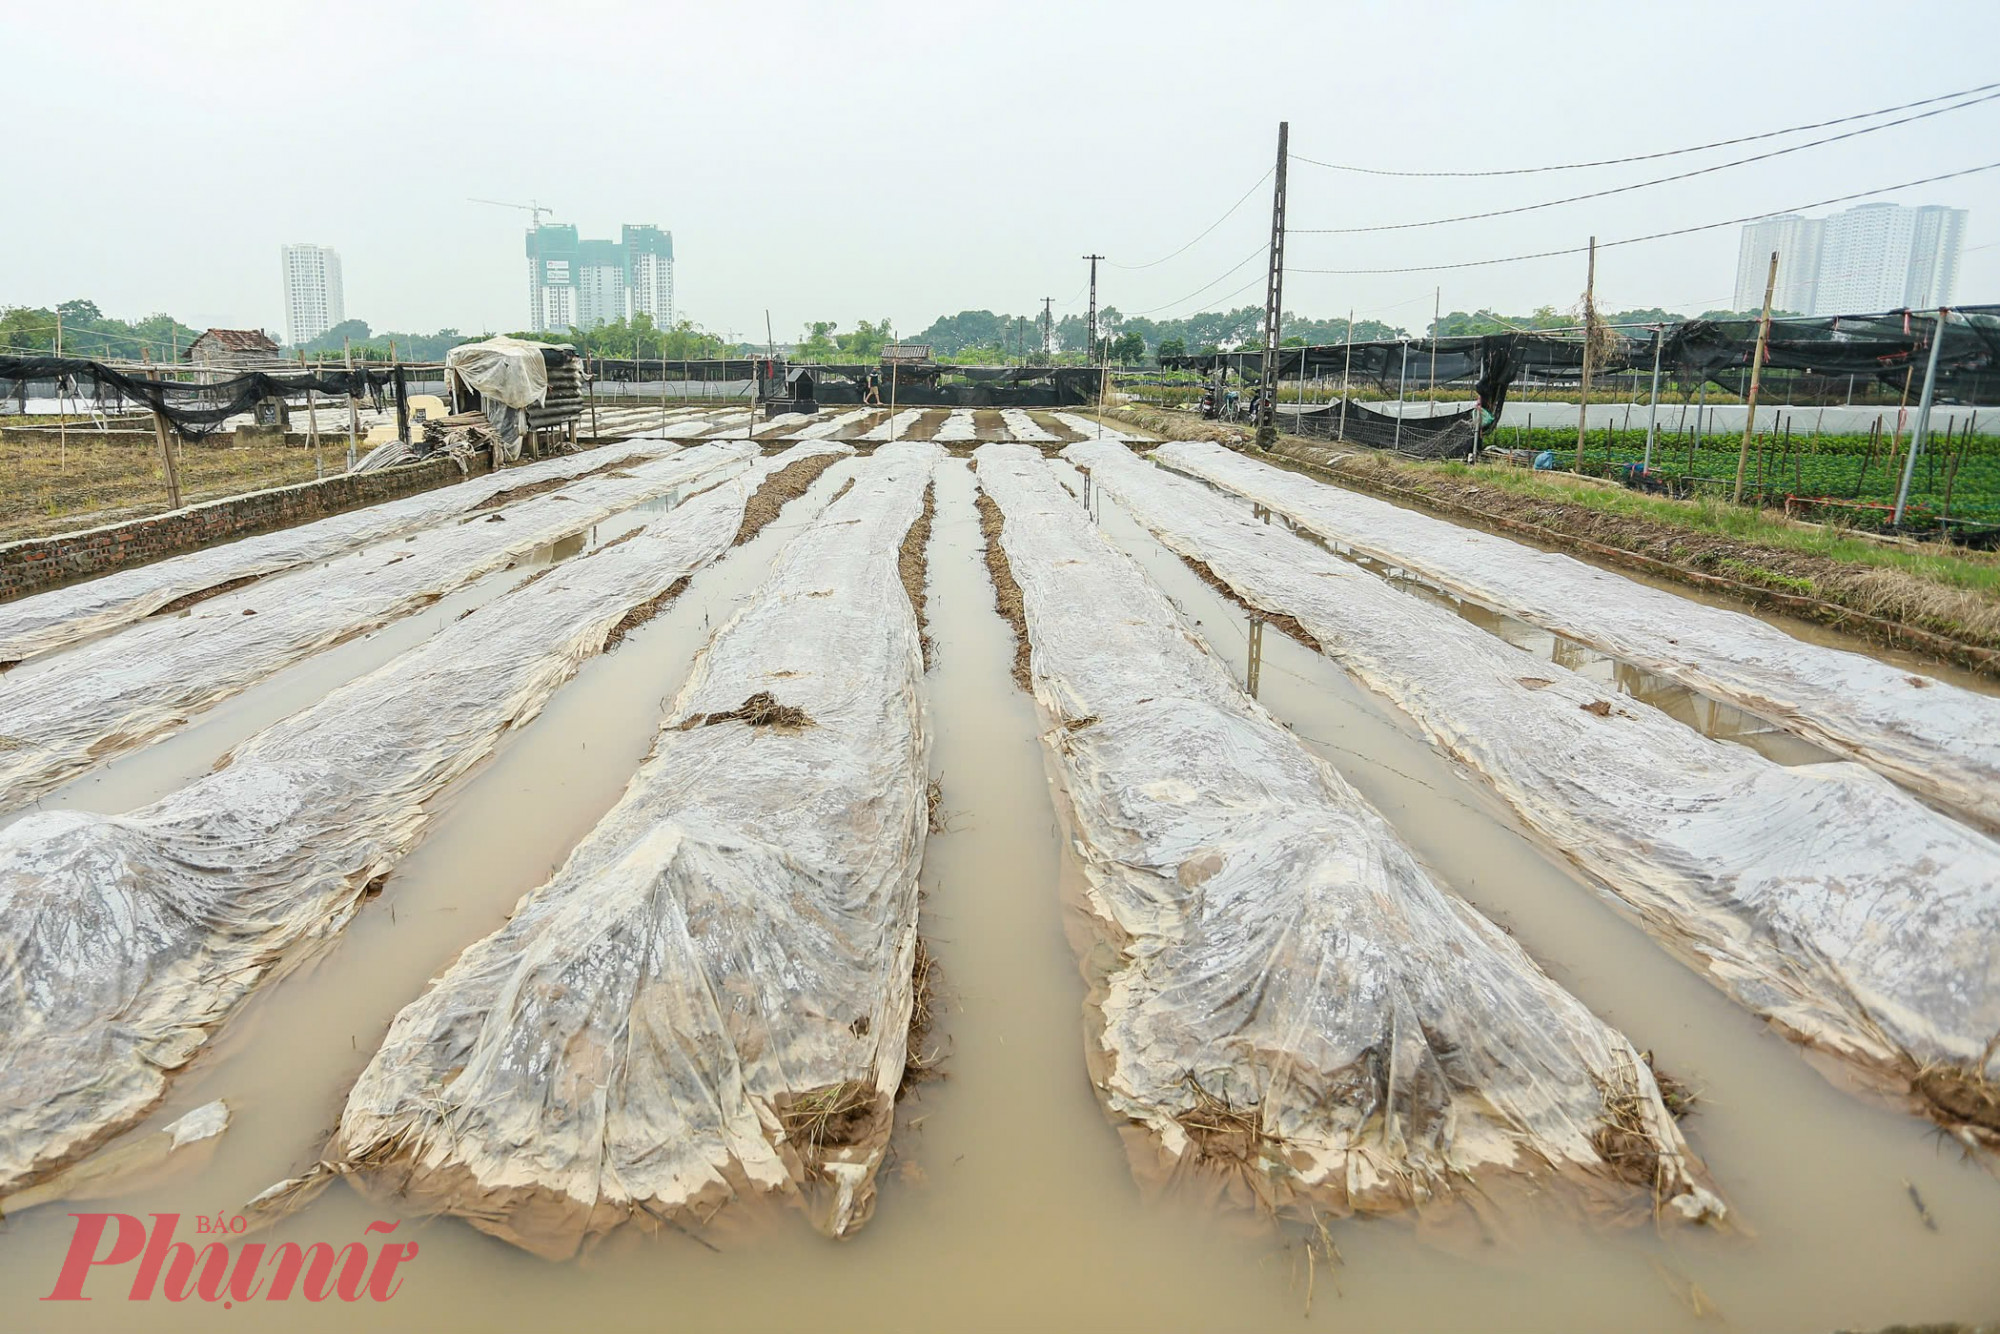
column 1255, row 254
column 1641, row 185
column 1648, row 157
column 1658, row 236
column 1204, row 231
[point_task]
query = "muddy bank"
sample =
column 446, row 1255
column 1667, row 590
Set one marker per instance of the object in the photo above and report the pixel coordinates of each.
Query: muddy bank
column 1876, row 603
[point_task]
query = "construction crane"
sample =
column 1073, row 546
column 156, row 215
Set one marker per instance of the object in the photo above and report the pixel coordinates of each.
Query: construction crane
column 533, row 208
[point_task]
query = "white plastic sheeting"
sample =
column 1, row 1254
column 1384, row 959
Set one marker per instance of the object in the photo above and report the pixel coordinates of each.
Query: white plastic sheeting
column 1822, row 897
column 124, row 940
column 64, row 616
column 1930, row 736
column 508, row 369
column 124, row 692
column 728, row 950
column 831, row 426
column 959, row 425
column 1096, row 430
column 1020, row 426
column 1282, row 962
column 896, row 426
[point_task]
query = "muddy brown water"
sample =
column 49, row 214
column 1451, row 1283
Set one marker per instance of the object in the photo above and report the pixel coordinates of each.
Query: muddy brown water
column 1007, row 1203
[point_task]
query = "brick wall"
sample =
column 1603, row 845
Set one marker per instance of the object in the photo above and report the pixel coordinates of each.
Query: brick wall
column 37, row 563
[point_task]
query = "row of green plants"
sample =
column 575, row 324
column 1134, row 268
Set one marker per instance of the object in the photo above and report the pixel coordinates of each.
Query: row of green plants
column 1957, row 476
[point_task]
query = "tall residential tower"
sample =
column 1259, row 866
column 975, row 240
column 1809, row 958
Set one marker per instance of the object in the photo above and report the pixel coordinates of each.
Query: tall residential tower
column 314, row 302
column 1872, row 257
column 572, row 281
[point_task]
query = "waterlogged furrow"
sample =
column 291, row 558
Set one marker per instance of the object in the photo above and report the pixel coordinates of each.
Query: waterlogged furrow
column 1096, row 430
column 1822, row 897
column 1020, row 426
column 712, row 996
column 1931, row 737
column 124, row 940
column 64, row 616
column 1291, row 997
column 129, row 690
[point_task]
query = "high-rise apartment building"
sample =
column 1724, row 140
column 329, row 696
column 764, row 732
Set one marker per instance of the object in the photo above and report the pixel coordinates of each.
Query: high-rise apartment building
column 314, row 302
column 1796, row 240
column 574, row 282
column 1872, row 257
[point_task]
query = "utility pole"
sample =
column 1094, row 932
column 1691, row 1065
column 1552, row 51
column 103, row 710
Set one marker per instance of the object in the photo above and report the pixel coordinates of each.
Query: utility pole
column 1756, row 377
column 1589, row 332
column 1274, row 300
column 1923, row 417
column 1048, row 327
column 1090, row 331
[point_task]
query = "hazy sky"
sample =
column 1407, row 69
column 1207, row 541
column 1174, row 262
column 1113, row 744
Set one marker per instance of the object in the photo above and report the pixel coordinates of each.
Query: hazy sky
column 846, row 160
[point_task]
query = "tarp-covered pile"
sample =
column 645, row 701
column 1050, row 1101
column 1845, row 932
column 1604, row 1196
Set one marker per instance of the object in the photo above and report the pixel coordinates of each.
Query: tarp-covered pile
column 1929, row 735
column 510, row 375
column 711, row 997
column 1293, row 998
column 1822, row 896
column 125, row 691
column 125, row 939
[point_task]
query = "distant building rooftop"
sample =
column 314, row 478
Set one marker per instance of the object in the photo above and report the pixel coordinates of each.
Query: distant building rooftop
column 216, row 343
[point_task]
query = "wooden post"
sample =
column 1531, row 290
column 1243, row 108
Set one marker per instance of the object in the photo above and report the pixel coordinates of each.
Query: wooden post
column 62, row 407
column 1756, row 378
column 1589, row 329
column 1347, row 365
column 166, row 454
column 312, row 420
column 590, row 383
column 1437, row 323
column 353, row 405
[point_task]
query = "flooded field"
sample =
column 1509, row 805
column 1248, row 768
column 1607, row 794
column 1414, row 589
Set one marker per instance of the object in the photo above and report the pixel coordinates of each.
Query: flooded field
column 1007, row 1199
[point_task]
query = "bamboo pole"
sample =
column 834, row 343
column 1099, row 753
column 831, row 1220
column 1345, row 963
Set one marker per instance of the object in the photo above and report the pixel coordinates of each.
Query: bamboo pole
column 1756, row 377
column 1347, row 365
column 312, row 421
column 353, row 405
column 167, row 464
column 62, row 407
column 1589, row 323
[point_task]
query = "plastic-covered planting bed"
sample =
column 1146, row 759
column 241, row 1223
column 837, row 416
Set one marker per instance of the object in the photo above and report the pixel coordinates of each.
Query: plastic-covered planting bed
column 712, row 996
column 124, row 940
column 1020, row 426
column 1096, row 430
column 64, row 616
column 1932, row 737
column 1822, row 897
column 894, row 427
column 132, row 688
column 832, row 426
column 958, row 426
column 1291, row 999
